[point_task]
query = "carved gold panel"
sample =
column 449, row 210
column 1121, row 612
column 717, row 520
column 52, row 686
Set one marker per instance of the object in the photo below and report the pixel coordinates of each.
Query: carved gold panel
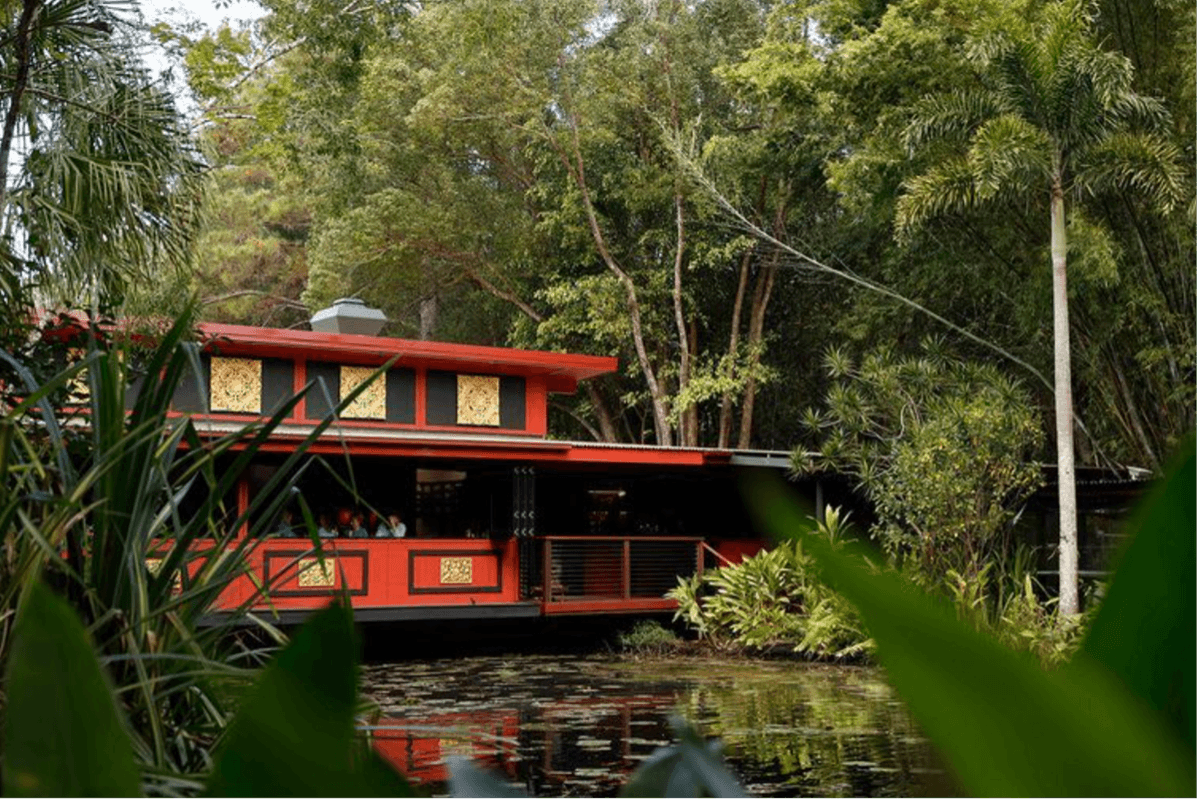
column 372, row 403
column 455, row 747
column 479, row 400
column 77, row 387
column 456, row 569
column 155, row 565
column 236, row 384
column 311, row 573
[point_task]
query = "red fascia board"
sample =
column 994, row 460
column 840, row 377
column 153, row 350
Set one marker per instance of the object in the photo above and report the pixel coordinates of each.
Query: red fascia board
column 448, row 448
column 563, row 370
column 534, row 450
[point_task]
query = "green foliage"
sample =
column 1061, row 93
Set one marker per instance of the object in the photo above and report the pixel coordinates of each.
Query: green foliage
column 647, row 636
column 301, row 712
column 63, row 732
column 99, row 512
column 1124, row 705
column 99, row 183
column 773, row 598
column 943, row 449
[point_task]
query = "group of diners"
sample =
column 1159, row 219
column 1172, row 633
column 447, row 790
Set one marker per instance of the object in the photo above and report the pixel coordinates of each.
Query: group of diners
column 346, row 523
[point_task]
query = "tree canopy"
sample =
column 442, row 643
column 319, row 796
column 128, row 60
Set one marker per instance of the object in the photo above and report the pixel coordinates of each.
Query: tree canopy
column 560, row 174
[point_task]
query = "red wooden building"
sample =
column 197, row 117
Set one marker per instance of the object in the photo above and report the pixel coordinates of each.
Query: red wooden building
column 500, row 520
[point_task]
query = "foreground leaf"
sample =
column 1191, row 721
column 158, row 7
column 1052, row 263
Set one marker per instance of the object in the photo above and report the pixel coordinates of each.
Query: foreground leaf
column 1005, row 726
column 62, row 732
column 688, row 768
column 294, row 735
column 1146, row 632
column 468, row 780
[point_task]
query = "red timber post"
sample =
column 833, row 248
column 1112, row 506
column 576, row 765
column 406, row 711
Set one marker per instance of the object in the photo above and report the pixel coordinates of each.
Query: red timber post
column 300, row 374
column 700, row 557
column 243, row 505
column 625, row 569
column 547, row 573
column 419, row 389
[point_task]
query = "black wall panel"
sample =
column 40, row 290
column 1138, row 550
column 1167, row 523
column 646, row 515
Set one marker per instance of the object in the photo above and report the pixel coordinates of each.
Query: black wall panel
column 401, row 396
column 277, row 383
column 441, row 398
column 512, row 402
column 190, row 395
column 321, row 402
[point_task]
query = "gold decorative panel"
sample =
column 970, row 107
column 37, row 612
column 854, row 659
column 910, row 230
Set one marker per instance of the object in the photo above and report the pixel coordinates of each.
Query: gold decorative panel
column 155, row 565
column 371, row 404
column 312, row 573
column 479, row 400
column 236, row 384
column 77, row 387
column 456, row 569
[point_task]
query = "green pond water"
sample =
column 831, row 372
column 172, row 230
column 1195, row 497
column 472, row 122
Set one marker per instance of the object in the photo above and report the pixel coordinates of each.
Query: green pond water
column 577, row 725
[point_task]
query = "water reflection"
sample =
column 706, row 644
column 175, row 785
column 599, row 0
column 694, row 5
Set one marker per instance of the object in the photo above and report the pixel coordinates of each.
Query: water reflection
column 558, row 725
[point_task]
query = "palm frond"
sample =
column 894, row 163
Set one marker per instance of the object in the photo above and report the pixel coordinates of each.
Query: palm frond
column 957, row 113
column 1136, row 162
column 1007, row 150
column 948, row 187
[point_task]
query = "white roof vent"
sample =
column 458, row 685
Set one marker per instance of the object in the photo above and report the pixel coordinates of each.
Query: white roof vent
column 349, row 315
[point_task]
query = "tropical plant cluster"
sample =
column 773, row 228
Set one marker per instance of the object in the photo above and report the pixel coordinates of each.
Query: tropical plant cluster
column 130, row 519
column 773, row 599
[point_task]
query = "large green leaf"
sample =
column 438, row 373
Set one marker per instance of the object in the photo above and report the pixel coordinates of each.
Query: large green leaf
column 62, row 732
column 1146, row 632
column 689, row 768
column 1004, row 725
column 294, row 735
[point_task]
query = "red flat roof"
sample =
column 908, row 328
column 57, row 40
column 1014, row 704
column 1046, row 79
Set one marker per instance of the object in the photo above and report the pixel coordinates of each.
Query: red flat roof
column 563, row 370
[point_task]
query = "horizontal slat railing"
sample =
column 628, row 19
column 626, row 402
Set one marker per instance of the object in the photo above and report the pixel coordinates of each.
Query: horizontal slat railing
column 613, row 568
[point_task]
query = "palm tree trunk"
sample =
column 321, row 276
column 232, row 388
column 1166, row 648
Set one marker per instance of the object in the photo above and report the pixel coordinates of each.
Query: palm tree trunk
column 29, row 11
column 1064, row 445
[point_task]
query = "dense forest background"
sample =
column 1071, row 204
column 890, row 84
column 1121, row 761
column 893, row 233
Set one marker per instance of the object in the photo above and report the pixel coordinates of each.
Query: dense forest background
column 728, row 195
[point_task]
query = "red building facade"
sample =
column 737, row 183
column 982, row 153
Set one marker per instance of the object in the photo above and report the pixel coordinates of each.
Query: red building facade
column 451, row 442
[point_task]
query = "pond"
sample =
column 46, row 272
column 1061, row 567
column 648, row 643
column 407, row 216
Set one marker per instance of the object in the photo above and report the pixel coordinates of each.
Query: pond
column 577, row 725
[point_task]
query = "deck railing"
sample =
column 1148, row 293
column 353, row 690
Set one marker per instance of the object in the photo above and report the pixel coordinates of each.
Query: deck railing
column 576, row 569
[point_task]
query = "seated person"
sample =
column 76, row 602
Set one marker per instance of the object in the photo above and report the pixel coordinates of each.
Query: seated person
column 356, row 526
column 325, row 527
column 286, row 526
column 391, row 528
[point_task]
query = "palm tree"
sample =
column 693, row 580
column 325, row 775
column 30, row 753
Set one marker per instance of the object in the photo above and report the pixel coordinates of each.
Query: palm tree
column 98, row 182
column 1054, row 113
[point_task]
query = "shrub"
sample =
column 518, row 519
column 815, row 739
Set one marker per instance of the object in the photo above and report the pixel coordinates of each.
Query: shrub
column 648, row 636
column 770, row 599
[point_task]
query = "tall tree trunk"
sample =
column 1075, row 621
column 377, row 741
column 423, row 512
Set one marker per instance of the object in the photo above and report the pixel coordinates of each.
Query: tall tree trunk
column 685, row 413
column 759, row 301
column 608, row 431
column 575, row 167
column 1064, row 440
column 690, row 421
column 726, row 421
column 427, row 314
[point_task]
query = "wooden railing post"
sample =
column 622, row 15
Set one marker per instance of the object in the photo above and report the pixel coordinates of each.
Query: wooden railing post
column 625, row 569
column 548, row 578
